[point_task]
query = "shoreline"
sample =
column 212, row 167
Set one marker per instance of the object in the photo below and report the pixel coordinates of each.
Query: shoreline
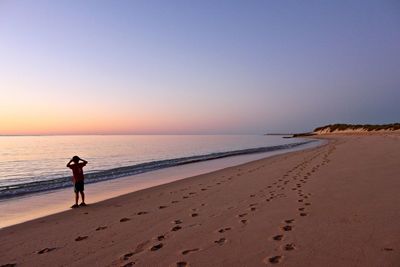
column 334, row 205
column 43, row 186
column 29, row 207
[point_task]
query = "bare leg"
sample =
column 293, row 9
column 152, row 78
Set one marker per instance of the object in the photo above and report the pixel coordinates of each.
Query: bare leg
column 83, row 197
column 76, row 198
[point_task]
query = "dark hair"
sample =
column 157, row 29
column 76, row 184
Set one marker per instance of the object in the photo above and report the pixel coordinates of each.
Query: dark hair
column 75, row 158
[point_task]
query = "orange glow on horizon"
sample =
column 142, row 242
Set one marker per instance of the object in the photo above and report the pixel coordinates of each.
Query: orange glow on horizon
column 38, row 123
column 31, row 112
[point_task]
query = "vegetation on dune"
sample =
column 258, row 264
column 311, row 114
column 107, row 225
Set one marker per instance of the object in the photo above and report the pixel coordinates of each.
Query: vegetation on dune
column 368, row 127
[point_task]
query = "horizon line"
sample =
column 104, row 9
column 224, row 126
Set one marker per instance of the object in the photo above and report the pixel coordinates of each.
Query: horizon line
column 88, row 134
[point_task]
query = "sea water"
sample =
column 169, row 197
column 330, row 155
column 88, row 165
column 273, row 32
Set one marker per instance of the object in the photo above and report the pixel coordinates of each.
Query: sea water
column 32, row 164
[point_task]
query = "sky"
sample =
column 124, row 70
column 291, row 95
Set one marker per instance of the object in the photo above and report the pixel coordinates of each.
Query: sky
column 196, row 67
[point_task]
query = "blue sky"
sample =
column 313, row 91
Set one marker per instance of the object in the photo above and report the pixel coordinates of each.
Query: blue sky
column 197, row 66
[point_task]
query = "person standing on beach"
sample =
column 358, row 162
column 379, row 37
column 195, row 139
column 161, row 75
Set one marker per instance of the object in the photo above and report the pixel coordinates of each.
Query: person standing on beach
column 78, row 179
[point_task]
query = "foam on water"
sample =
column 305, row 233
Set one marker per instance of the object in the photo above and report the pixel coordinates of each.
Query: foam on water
column 37, row 172
column 39, row 186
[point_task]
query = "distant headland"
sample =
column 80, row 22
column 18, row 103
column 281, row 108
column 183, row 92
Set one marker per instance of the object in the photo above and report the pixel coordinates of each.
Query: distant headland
column 347, row 128
column 338, row 128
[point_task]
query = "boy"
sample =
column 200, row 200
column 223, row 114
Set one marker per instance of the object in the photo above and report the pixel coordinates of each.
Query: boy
column 78, row 179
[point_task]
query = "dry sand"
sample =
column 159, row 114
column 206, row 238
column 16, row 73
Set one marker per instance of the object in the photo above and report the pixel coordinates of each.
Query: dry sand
column 336, row 205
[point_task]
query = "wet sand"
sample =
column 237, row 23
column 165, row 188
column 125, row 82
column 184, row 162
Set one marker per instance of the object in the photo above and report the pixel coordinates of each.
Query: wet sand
column 335, row 205
column 29, row 207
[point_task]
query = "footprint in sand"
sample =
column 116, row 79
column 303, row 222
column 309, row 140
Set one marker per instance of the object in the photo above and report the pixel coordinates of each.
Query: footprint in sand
column 189, row 251
column 156, row 247
column 127, row 256
column 277, row 237
column 220, row 241
column 222, row 230
column 182, row 264
column 176, row 228
column 243, row 221
column 45, row 250
column 289, row 221
column 80, row 238
column 194, row 214
column 124, row 219
column 160, row 237
column 287, row 228
column 303, row 214
column 242, row 215
column 141, row 213
column 177, row 222
column 101, row 228
column 289, row 247
column 174, row 201
column 275, row 259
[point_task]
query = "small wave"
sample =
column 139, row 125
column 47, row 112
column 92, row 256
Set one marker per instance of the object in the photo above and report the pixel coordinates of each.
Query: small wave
column 10, row 191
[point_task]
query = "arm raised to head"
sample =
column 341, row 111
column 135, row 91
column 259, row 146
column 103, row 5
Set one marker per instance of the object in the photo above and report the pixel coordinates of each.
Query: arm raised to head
column 69, row 163
column 84, row 161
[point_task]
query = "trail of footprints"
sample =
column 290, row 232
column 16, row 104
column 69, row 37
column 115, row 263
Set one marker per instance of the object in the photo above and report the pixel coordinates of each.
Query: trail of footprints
column 146, row 245
column 298, row 176
column 177, row 225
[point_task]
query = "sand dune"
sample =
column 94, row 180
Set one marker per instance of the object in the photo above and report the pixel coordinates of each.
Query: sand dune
column 336, row 205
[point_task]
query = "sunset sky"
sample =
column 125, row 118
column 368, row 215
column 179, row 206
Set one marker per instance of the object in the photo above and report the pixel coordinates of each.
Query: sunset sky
column 196, row 67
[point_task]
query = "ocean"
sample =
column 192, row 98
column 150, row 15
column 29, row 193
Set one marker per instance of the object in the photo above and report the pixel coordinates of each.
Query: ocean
column 33, row 164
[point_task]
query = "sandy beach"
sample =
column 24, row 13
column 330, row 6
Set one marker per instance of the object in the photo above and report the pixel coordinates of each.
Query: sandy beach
column 335, row 205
